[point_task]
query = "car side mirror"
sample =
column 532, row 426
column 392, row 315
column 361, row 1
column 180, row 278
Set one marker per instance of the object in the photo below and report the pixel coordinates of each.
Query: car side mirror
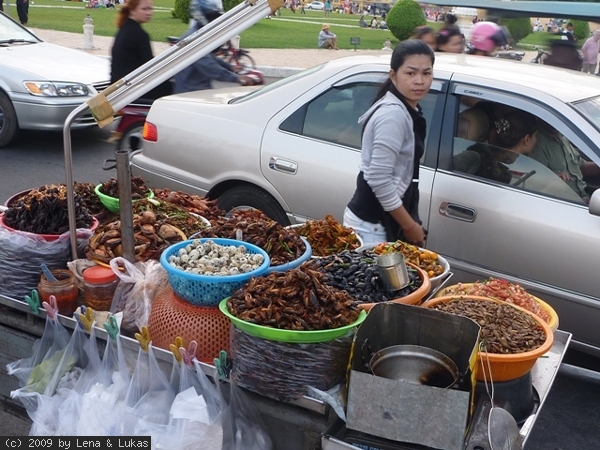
column 594, row 206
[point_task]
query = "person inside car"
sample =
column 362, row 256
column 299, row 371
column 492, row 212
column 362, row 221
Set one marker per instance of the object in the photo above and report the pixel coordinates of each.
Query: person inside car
column 556, row 152
column 385, row 204
column 512, row 134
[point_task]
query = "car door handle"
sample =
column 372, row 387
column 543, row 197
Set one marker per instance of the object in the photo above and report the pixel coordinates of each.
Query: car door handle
column 454, row 211
column 283, row 165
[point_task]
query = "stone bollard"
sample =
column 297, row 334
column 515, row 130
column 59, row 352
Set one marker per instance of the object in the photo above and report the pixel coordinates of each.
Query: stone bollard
column 88, row 33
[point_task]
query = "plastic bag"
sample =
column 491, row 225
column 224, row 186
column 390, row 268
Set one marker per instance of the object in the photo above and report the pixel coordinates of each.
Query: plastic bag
column 20, row 275
column 189, row 421
column 66, row 367
column 54, row 338
column 70, row 410
column 140, row 282
column 283, row 371
column 103, row 406
column 148, row 397
column 242, row 427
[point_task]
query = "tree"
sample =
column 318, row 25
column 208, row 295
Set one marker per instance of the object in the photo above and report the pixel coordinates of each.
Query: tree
column 182, row 8
column 519, row 28
column 404, row 17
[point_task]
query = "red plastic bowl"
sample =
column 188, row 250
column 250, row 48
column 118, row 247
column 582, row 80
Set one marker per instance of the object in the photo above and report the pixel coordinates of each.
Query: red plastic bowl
column 47, row 237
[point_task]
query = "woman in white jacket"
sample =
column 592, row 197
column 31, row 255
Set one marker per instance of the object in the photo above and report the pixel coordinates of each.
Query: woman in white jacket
column 386, row 200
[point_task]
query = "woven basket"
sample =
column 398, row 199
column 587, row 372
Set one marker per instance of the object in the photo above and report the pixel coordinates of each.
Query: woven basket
column 172, row 316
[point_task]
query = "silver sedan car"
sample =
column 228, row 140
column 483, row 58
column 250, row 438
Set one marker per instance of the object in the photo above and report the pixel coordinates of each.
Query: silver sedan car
column 41, row 83
column 292, row 149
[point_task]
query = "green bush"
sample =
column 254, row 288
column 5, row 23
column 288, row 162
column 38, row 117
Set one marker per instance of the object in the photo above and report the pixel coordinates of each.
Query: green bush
column 229, row 4
column 581, row 29
column 182, row 10
column 519, row 28
column 404, row 17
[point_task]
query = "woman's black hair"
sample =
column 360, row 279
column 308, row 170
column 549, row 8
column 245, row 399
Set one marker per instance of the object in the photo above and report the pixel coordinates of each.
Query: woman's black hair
column 513, row 126
column 451, row 19
column 445, row 34
column 422, row 31
column 403, row 50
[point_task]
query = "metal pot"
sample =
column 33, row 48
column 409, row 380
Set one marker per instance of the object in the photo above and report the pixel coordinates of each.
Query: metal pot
column 415, row 364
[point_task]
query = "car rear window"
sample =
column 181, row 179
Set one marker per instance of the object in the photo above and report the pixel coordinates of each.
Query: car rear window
column 277, row 84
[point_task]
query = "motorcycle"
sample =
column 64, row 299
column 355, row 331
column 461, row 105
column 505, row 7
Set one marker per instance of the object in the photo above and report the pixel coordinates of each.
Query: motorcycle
column 129, row 131
column 540, row 57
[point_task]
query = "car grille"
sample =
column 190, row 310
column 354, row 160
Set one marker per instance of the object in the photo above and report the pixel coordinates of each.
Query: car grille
column 100, row 86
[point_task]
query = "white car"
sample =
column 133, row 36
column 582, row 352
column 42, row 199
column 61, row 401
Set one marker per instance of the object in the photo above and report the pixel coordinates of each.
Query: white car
column 292, row 149
column 41, row 83
column 316, row 5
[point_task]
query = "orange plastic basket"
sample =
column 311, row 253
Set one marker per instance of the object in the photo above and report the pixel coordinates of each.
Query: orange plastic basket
column 171, row 316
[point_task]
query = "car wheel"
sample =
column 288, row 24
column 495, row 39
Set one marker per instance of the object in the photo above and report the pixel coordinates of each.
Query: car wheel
column 134, row 132
column 248, row 195
column 9, row 128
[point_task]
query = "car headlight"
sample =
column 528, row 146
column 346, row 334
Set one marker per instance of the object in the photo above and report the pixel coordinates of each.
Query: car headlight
column 56, row 89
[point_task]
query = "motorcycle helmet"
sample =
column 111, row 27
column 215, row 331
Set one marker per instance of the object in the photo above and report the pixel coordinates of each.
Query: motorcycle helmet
column 485, row 36
column 205, row 11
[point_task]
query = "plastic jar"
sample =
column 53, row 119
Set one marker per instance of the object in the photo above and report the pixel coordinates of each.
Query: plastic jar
column 99, row 287
column 65, row 290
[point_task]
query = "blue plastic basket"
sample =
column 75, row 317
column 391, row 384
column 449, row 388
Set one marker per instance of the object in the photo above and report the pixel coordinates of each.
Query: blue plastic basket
column 205, row 290
column 292, row 264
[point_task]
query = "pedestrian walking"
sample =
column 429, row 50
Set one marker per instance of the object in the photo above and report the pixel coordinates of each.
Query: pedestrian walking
column 590, row 51
column 23, row 11
column 327, row 8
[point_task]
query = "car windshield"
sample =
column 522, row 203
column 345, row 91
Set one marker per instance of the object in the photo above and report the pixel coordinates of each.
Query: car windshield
column 590, row 109
column 11, row 32
column 277, row 84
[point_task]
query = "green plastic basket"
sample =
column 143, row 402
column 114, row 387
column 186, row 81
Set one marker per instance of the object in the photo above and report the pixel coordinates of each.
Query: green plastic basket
column 112, row 203
column 290, row 336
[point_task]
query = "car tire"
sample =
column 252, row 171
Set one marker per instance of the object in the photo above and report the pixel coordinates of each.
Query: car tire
column 9, row 127
column 132, row 131
column 248, row 195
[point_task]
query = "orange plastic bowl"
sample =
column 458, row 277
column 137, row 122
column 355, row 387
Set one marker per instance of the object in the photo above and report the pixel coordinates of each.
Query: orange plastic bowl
column 504, row 367
column 553, row 324
column 415, row 297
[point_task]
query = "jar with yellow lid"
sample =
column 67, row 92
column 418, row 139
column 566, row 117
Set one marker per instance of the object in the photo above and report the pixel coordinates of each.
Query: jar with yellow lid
column 100, row 284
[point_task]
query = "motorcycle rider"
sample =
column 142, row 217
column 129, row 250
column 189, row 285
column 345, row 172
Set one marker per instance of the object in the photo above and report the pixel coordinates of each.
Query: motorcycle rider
column 199, row 74
column 485, row 37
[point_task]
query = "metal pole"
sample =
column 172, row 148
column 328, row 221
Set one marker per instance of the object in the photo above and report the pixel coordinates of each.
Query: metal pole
column 156, row 71
column 125, row 205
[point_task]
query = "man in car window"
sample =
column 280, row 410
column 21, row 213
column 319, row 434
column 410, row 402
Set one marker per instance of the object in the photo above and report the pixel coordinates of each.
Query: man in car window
column 555, row 151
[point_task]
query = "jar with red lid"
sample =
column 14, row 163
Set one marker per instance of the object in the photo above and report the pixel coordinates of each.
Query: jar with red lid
column 100, row 284
column 64, row 289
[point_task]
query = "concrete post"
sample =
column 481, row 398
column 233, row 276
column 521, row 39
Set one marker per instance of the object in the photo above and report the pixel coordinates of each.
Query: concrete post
column 88, row 33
